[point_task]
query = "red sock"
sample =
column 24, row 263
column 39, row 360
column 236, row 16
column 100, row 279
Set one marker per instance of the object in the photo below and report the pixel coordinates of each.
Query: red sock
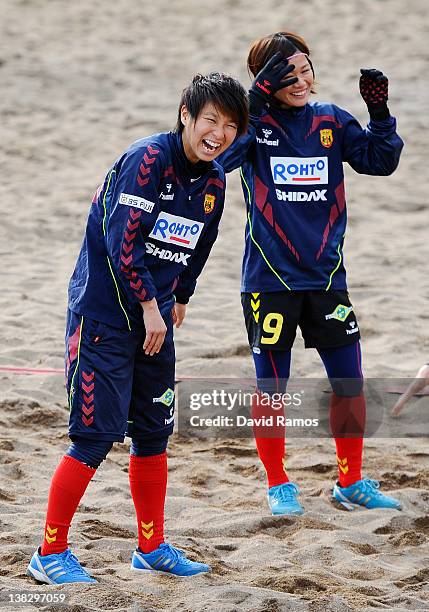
column 68, row 485
column 270, row 441
column 148, row 484
column 347, row 420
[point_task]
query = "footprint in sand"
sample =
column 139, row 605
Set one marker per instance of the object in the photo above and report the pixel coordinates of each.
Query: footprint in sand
column 6, row 496
column 401, row 524
column 407, row 538
column 420, row 578
column 35, row 417
column 356, row 573
column 200, row 478
column 392, row 480
column 394, row 525
column 284, row 526
column 422, row 524
column 298, row 585
column 93, row 529
column 361, row 549
column 13, row 471
column 246, row 470
column 235, row 451
column 318, row 468
column 242, row 350
column 84, row 509
column 13, row 557
column 370, row 590
column 6, row 445
column 226, row 547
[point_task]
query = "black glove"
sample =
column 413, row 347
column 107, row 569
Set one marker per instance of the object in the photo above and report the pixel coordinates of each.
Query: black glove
column 269, row 81
column 373, row 86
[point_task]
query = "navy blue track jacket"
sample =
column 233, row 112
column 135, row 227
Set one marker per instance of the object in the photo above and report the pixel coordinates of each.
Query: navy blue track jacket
column 293, row 183
column 149, row 233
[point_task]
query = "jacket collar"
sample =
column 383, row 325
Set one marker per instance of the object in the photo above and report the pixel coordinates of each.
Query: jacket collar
column 185, row 170
column 280, row 113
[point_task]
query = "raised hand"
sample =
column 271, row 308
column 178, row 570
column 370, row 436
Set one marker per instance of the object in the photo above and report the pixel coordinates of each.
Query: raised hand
column 374, row 89
column 269, row 80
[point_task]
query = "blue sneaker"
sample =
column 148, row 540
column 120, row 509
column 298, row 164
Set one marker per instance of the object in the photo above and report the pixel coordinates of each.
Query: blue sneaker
column 365, row 493
column 282, row 499
column 57, row 568
column 166, row 559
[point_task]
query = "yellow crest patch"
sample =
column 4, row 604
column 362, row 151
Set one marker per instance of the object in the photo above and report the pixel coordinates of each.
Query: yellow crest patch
column 326, row 138
column 209, row 202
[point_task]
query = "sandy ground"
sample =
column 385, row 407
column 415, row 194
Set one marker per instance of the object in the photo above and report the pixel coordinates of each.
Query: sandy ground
column 80, row 81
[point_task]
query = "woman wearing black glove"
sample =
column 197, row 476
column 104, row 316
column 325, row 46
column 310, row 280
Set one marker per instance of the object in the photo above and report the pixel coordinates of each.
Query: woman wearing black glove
column 269, row 81
column 373, row 86
column 293, row 271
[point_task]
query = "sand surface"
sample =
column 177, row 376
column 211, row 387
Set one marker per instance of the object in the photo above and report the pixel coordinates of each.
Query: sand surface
column 80, row 81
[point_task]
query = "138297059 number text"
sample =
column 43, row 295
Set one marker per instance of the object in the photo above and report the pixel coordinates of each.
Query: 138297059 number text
column 28, row 597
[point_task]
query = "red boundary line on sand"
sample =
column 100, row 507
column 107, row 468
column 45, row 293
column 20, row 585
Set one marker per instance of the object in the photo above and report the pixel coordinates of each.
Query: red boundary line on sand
column 19, row 370
column 22, row 370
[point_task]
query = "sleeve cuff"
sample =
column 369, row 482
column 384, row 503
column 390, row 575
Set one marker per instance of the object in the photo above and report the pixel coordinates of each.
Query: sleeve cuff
column 256, row 104
column 379, row 113
column 182, row 298
column 150, row 294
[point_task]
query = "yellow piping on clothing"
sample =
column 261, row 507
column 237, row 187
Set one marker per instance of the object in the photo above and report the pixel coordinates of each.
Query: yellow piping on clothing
column 253, row 239
column 77, row 364
column 119, row 295
column 336, row 267
column 108, row 260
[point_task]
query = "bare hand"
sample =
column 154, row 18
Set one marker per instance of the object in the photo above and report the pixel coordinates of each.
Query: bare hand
column 155, row 327
column 420, row 382
column 178, row 312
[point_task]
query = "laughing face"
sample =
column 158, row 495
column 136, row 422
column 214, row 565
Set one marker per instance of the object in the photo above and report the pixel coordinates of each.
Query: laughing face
column 297, row 95
column 207, row 136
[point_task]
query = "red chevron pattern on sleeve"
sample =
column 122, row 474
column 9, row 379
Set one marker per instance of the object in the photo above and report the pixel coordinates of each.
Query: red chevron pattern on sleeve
column 149, row 158
column 130, row 234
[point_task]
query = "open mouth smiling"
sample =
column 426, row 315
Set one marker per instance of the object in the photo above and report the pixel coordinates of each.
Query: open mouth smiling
column 210, row 145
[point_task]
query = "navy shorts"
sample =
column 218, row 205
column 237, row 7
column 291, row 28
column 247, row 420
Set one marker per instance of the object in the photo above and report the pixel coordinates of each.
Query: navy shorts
column 326, row 319
column 114, row 389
